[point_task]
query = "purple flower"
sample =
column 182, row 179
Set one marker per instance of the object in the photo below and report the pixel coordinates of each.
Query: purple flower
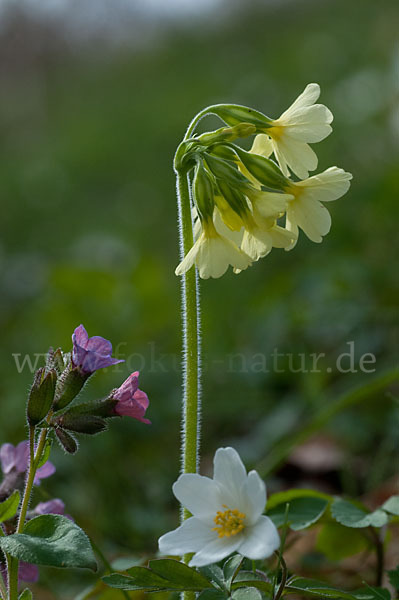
column 52, row 507
column 17, row 458
column 131, row 401
column 91, row 354
column 26, row 572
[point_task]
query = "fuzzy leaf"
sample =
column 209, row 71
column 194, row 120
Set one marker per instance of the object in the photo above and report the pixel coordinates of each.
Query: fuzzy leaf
column 9, row 508
column 52, row 540
column 392, row 505
column 230, row 568
column 350, row 515
column 246, row 593
column 394, row 578
column 312, row 587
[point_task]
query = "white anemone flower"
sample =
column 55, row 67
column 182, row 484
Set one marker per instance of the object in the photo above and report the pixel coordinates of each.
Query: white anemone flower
column 307, row 211
column 213, row 254
column 227, row 514
column 289, row 136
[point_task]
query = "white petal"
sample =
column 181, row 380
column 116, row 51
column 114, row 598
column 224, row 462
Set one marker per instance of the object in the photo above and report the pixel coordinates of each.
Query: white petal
column 297, row 155
column 261, row 540
column 262, row 145
column 311, row 216
column 326, row 186
column 270, row 204
column 201, row 495
column 222, row 229
column 216, row 550
column 311, row 124
column 253, row 493
column 281, row 237
column 256, row 243
column 309, row 96
column 189, row 259
column 230, row 472
column 191, row 536
column 216, row 254
column 292, row 227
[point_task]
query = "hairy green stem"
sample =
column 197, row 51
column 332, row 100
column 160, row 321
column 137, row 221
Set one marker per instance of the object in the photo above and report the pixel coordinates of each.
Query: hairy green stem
column 34, row 460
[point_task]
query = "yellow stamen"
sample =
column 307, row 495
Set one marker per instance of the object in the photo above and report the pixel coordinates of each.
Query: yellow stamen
column 228, row 522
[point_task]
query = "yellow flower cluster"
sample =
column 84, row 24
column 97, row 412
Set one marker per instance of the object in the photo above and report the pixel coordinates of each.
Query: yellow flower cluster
column 245, row 204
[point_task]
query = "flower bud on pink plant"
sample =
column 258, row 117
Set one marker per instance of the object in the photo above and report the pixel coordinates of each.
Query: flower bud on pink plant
column 130, row 401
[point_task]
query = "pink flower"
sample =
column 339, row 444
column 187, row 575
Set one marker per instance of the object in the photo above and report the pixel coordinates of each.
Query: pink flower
column 131, row 401
column 17, row 458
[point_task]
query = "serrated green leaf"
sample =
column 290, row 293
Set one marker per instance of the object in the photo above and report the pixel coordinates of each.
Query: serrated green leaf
column 52, row 540
column 350, row 515
column 312, row 587
column 179, row 573
column 230, row 568
column 26, row 595
column 392, row 505
column 394, row 577
column 246, row 593
column 289, row 495
column 9, row 508
column 337, row 542
column 302, row 512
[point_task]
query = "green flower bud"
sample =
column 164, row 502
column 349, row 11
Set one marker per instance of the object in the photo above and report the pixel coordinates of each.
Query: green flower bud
column 236, row 202
column 226, row 134
column 66, row 440
column 233, row 114
column 203, row 193
column 89, row 424
column 41, row 395
column 263, row 169
column 68, row 387
column 225, row 170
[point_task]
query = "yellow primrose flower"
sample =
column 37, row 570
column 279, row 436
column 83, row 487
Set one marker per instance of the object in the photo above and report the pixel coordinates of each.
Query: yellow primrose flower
column 307, row 211
column 303, row 123
column 213, row 253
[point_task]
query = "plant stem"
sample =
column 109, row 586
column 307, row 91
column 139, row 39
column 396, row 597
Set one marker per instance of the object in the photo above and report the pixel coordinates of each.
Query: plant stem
column 33, row 463
column 191, row 344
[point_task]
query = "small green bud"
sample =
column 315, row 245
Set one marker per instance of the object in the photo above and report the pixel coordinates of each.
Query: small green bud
column 235, row 199
column 263, row 169
column 69, row 385
column 89, row 424
column 234, row 114
column 225, row 170
column 226, row 134
column 203, row 193
column 66, row 440
column 41, row 395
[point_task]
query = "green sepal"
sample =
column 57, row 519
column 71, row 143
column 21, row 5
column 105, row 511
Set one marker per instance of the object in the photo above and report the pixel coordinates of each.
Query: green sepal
column 41, row 395
column 233, row 114
column 25, row 595
column 89, row 424
column 52, row 540
column 226, row 134
column 263, row 169
column 69, row 385
column 46, row 453
column 203, row 192
column 225, row 170
column 67, row 441
column 9, row 508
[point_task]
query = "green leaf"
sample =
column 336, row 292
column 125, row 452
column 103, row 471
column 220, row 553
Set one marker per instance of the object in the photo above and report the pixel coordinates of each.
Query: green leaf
column 337, row 542
column 52, row 540
column 373, row 593
column 302, row 512
column 394, row 578
column 350, row 515
column 312, row 587
column 162, row 575
column 26, row 595
column 215, row 575
column 246, row 593
column 230, row 568
column 45, row 454
column 248, row 579
column 9, row 508
column 289, row 495
column 213, row 594
column 179, row 573
column 392, row 505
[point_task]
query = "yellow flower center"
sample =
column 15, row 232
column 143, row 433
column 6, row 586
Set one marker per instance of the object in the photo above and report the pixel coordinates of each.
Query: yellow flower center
column 228, row 522
column 276, row 132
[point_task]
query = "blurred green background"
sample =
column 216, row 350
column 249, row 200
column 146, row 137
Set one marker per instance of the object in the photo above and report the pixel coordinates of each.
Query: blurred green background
column 92, row 106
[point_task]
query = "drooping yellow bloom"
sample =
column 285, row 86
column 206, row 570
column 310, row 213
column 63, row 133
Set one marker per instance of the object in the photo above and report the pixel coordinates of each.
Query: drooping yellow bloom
column 306, row 209
column 289, row 136
column 213, row 254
